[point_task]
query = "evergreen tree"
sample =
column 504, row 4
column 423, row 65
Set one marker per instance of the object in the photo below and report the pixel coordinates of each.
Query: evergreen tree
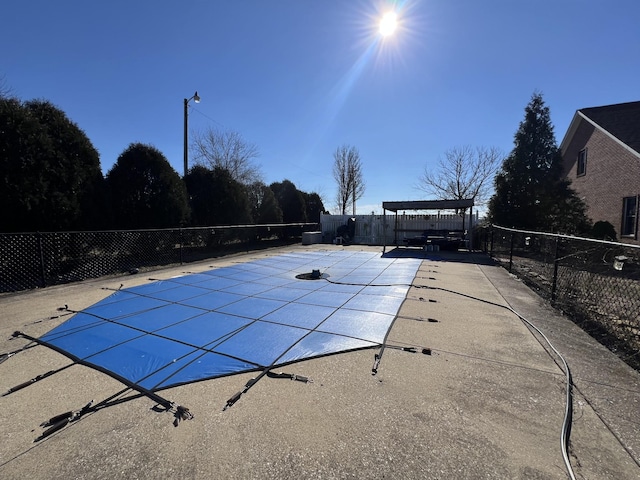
column 201, row 192
column 530, row 192
column 146, row 192
column 50, row 171
column 314, row 206
column 216, row 198
column 290, row 200
column 264, row 206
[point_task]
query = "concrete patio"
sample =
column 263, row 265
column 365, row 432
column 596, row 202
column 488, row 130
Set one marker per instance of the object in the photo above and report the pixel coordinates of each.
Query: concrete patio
column 484, row 396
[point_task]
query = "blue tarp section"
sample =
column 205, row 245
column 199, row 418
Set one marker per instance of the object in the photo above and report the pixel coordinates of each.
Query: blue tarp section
column 248, row 316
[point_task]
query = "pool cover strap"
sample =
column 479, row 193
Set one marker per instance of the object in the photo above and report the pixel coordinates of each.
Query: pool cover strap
column 247, row 386
column 34, row 380
column 290, row 376
column 270, row 374
column 167, row 405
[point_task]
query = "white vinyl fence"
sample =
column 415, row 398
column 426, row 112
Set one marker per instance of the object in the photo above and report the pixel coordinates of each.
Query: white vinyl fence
column 370, row 229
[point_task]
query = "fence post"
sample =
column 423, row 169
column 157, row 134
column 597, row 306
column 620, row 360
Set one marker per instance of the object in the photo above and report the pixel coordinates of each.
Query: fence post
column 491, row 243
column 511, row 252
column 43, row 277
column 181, row 243
column 554, row 285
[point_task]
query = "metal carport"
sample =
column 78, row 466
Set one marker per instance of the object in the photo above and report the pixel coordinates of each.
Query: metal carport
column 422, row 205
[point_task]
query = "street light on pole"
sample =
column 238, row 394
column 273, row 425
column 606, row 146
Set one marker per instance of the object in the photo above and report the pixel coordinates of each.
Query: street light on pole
column 196, row 99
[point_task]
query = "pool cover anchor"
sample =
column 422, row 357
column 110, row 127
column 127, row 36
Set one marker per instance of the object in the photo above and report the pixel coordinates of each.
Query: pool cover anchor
column 378, row 356
column 182, row 413
column 267, row 372
column 58, row 422
column 8, row 355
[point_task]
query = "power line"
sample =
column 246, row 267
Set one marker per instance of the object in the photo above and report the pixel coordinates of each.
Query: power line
column 207, row 116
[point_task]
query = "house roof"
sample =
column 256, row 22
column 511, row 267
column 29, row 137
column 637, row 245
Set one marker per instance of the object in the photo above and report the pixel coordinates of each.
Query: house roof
column 620, row 121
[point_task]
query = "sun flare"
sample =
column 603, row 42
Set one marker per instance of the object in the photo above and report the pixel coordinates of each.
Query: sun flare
column 388, row 24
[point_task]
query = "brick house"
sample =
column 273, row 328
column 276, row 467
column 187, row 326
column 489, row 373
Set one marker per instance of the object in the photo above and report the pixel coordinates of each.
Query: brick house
column 601, row 157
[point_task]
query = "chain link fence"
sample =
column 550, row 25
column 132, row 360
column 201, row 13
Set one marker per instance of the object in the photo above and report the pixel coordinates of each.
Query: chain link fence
column 37, row 260
column 596, row 283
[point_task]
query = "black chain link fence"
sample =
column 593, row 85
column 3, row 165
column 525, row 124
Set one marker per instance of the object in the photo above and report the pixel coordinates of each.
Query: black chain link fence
column 36, row 260
column 596, row 283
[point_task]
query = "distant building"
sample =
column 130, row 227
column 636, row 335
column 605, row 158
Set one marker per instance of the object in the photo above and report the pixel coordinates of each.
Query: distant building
column 601, row 157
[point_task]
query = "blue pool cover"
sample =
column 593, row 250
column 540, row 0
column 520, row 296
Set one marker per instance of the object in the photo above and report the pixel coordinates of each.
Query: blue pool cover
column 245, row 317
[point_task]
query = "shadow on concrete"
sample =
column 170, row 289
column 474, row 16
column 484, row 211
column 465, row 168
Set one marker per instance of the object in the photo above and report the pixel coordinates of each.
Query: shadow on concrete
column 461, row 256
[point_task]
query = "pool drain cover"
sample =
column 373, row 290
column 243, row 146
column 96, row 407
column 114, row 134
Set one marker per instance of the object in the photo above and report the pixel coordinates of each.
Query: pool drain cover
column 314, row 275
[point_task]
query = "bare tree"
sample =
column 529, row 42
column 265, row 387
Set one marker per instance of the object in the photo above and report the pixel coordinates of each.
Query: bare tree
column 228, row 150
column 462, row 173
column 347, row 171
column 5, row 90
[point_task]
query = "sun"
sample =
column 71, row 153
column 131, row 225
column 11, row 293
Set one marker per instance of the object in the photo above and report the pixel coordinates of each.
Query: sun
column 388, row 24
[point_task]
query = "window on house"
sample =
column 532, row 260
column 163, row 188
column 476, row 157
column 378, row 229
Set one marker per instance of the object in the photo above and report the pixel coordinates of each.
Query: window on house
column 582, row 162
column 629, row 216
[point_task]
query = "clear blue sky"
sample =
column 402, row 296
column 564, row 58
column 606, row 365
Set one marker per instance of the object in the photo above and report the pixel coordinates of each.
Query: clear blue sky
column 299, row 77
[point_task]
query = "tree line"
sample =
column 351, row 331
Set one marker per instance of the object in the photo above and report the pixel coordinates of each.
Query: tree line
column 51, row 180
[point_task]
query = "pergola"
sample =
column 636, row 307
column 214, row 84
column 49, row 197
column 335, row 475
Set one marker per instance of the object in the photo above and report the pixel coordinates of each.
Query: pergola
column 421, row 205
